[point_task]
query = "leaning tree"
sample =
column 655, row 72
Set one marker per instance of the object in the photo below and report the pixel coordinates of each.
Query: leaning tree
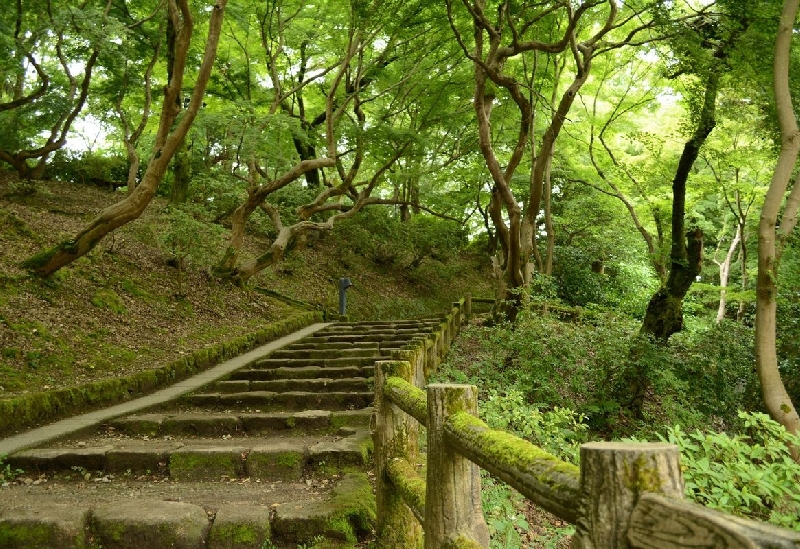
column 173, row 125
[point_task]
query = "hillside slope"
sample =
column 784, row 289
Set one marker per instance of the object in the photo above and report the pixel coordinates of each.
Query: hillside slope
column 125, row 307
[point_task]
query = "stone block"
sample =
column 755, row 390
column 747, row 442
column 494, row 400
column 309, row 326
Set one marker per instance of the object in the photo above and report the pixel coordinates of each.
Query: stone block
column 207, row 463
column 240, row 527
column 152, row 525
column 47, row 526
column 279, row 461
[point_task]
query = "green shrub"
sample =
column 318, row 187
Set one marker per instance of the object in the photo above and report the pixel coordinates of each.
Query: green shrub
column 99, row 168
column 559, row 431
column 752, row 474
column 189, row 240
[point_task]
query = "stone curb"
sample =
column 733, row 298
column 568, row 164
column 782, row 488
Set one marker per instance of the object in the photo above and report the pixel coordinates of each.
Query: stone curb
column 153, row 524
column 36, row 408
column 64, row 427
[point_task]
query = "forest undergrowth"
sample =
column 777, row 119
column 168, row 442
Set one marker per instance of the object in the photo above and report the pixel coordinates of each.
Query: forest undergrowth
column 559, row 383
column 147, row 294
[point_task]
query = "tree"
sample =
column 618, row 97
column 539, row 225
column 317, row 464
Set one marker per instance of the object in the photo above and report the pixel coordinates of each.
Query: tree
column 502, row 43
column 61, row 45
column 709, row 43
column 772, row 237
column 171, row 131
column 367, row 116
column 738, row 158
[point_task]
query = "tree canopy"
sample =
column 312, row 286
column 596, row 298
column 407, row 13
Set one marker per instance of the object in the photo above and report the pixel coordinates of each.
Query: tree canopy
column 600, row 152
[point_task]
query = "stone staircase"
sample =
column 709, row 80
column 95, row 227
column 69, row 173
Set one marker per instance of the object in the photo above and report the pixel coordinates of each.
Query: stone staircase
column 276, row 454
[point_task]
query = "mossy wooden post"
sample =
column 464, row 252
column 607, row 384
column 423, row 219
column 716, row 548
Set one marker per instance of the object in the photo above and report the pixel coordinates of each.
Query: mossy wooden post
column 396, row 435
column 613, row 476
column 453, row 497
column 467, row 308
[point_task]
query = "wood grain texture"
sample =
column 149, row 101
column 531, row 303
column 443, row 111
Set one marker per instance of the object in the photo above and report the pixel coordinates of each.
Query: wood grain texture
column 396, row 435
column 541, row 477
column 663, row 522
column 453, row 498
column 614, row 475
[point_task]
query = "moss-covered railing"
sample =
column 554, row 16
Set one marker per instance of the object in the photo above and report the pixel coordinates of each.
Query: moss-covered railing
column 623, row 495
column 33, row 409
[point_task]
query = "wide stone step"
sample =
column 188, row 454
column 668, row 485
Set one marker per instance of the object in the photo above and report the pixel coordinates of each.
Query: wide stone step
column 394, row 332
column 128, row 514
column 193, row 459
column 325, row 354
column 302, row 372
column 332, row 345
column 326, row 385
column 207, row 424
column 267, row 363
column 269, row 401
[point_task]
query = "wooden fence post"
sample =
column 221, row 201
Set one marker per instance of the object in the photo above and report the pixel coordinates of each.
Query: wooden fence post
column 453, row 497
column 613, row 475
column 396, row 435
column 467, row 307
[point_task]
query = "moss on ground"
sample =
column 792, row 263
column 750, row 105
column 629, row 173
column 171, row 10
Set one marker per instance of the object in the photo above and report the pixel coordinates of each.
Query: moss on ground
column 34, row 408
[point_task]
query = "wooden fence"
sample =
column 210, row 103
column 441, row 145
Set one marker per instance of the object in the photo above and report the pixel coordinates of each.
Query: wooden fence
column 623, row 495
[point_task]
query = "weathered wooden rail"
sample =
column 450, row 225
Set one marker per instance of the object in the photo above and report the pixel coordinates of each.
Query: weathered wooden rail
column 623, row 495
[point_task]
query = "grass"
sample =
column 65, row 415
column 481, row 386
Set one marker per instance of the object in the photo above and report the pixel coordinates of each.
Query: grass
column 115, row 311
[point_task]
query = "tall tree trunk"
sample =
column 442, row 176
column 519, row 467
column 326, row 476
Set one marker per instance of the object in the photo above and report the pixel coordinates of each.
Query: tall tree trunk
column 167, row 142
column 745, row 278
column 772, row 239
column 664, row 315
column 181, row 175
column 724, row 272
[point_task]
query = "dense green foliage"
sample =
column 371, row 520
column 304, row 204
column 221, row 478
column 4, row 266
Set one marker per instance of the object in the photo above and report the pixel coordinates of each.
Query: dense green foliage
column 553, row 382
column 591, row 157
column 751, row 473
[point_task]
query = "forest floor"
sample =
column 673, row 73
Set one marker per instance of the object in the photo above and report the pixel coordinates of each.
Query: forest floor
column 126, row 307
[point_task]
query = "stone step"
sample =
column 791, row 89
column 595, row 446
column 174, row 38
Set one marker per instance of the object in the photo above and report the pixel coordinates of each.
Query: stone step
column 302, row 372
column 199, row 423
column 269, row 401
column 193, row 459
column 157, row 515
column 394, row 332
column 325, row 354
column 363, row 339
column 268, row 363
column 318, row 385
column 328, row 345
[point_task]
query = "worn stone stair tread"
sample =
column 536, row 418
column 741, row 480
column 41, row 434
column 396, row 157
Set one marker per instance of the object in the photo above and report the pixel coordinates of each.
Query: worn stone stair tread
column 201, row 422
column 302, row 362
column 330, row 354
column 286, row 401
column 156, row 515
column 302, row 372
column 323, row 384
column 201, row 458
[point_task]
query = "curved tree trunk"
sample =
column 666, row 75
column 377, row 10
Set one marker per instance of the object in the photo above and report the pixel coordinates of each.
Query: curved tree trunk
column 724, row 273
column 771, row 239
column 664, row 315
column 167, row 142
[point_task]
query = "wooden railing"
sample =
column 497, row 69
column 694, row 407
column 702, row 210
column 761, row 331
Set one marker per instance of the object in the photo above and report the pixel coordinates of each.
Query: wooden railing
column 623, row 495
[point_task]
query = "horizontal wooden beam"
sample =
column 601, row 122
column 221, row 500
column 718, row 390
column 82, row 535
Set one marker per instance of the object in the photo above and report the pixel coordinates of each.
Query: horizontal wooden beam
column 547, row 481
column 408, row 398
column 662, row 522
column 409, row 484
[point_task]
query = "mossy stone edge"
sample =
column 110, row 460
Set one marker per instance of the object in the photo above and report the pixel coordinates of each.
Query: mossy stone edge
column 35, row 408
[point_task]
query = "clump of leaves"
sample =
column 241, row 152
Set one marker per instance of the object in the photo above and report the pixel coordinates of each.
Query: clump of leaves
column 189, row 241
column 8, row 473
column 502, row 510
column 751, row 474
column 559, row 431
